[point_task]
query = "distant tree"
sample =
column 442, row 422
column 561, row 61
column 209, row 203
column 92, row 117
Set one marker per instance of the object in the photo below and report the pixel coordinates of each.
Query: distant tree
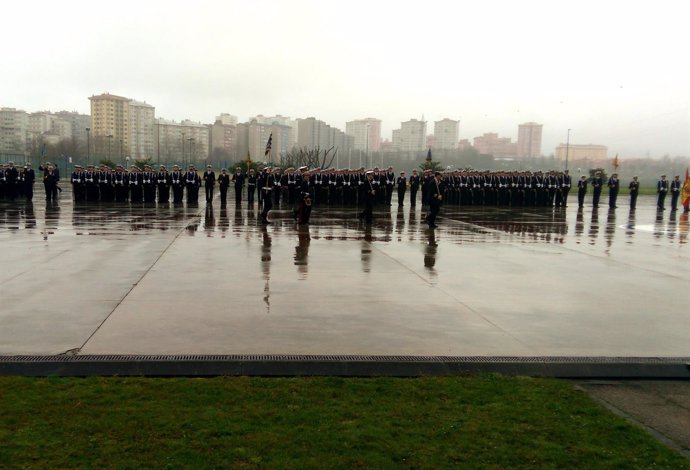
column 431, row 165
column 141, row 162
column 106, row 162
column 593, row 171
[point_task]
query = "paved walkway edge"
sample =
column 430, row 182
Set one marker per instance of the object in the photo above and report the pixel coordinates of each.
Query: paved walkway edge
column 355, row 366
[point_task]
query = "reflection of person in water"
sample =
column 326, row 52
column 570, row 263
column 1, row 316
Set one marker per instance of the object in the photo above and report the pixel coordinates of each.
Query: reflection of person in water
column 302, row 251
column 266, row 265
column 430, row 251
column 209, row 220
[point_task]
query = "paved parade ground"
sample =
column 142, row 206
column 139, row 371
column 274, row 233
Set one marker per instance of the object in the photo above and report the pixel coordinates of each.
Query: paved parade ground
column 121, row 279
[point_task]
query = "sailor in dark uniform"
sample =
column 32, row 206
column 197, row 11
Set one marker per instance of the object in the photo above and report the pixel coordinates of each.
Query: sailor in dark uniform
column 238, row 180
column 29, row 179
column 209, row 182
column 223, row 183
column 192, row 183
column 402, row 187
column 104, row 180
column 163, row 181
column 676, row 187
column 434, row 192
column 597, row 184
column 614, row 185
column 634, row 188
column 136, row 180
column 121, row 183
column 414, row 187
column 50, row 181
column 251, row 186
column 149, row 184
column 303, row 211
column 177, row 184
column 581, row 190
column 267, row 197
column 78, row 184
column 369, row 198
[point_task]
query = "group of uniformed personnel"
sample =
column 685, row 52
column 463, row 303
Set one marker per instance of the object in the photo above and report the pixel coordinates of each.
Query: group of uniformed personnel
column 16, row 182
column 335, row 187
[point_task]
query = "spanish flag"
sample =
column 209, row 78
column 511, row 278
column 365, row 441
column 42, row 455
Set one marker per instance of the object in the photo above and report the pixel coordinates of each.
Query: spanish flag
column 686, row 191
column 615, row 163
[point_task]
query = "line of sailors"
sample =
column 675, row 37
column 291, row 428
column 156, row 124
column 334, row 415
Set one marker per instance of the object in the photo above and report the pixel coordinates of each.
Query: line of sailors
column 136, row 185
column 16, row 182
column 325, row 186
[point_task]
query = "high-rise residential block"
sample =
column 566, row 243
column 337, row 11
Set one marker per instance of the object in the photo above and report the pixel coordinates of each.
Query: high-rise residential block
column 491, row 144
column 411, row 137
column 14, row 133
column 366, row 133
column 446, row 133
column 529, row 140
column 183, row 142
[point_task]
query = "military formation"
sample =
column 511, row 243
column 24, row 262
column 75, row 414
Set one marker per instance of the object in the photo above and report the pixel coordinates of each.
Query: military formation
column 332, row 187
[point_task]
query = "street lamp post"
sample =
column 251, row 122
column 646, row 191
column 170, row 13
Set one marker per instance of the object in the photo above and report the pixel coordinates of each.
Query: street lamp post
column 567, row 148
column 88, row 146
column 110, row 139
column 366, row 155
column 183, row 161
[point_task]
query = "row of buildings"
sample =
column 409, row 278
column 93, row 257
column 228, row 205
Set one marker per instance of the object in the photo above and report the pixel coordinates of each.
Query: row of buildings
column 120, row 127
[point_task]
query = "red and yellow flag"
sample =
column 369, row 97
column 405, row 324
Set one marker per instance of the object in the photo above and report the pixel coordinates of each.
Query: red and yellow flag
column 686, row 191
column 615, row 163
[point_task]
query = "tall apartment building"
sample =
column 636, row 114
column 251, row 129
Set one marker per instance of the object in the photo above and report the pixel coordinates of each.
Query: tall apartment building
column 312, row 133
column 51, row 128
column 529, row 140
column 290, row 141
column 366, row 133
column 446, row 132
column 123, row 122
column 14, row 133
column 142, row 123
column 252, row 137
column 223, row 140
column 411, row 137
column 582, row 152
column 109, row 122
column 491, row 144
column 183, row 142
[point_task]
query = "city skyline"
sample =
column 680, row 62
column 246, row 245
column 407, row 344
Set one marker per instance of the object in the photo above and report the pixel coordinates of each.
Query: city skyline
column 613, row 77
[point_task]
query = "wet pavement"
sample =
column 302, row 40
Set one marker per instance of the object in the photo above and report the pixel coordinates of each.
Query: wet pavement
column 121, row 279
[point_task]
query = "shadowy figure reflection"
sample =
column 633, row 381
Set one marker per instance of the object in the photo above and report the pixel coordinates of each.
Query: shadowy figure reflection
column 684, row 226
column 366, row 249
column 610, row 227
column 594, row 226
column 266, row 265
column 223, row 221
column 52, row 219
column 400, row 221
column 302, row 251
column 672, row 225
column 209, row 220
column 659, row 224
column 579, row 222
column 238, row 223
column 29, row 215
column 430, row 252
column 630, row 226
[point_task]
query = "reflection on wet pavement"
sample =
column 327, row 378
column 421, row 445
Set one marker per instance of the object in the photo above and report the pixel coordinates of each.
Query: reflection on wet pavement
column 204, row 278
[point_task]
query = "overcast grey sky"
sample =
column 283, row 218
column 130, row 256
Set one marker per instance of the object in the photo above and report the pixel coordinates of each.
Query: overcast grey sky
column 616, row 73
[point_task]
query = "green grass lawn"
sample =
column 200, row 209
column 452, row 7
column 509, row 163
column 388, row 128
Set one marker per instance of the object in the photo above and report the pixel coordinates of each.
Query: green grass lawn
column 450, row 422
